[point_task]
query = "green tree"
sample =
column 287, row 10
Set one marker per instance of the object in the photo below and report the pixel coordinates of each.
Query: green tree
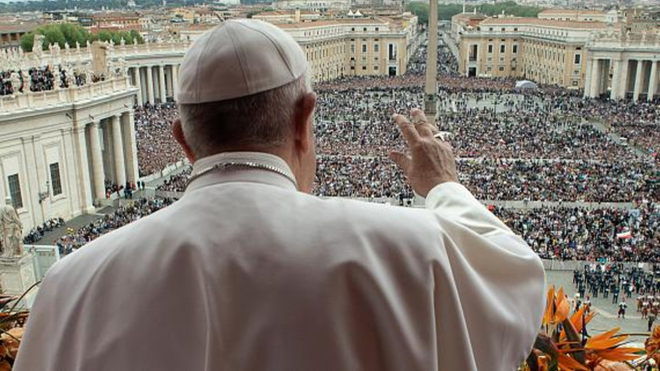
column 104, row 36
column 27, row 41
column 136, row 36
column 72, row 33
column 446, row 11
column 54, row 35
column 421, row 10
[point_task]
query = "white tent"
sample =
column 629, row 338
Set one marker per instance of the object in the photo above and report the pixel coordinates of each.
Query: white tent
column 526, row 84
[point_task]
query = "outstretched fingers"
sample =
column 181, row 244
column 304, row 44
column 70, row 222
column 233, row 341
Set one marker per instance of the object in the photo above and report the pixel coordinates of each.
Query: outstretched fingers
column 423, row 127
column 408, row 130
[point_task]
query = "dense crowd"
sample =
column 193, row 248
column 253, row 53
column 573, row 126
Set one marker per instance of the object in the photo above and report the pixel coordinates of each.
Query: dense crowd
column 122, row 216
column 526, row 146
column 38, row 232
column 546, row 144
column 42, row 79
column 177, row 182
column 156, row 146
column 580, row 233
column 492, row 179
column 447, row 64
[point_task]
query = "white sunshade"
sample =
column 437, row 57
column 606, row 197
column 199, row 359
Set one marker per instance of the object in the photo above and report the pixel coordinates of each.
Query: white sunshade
column 526, row 84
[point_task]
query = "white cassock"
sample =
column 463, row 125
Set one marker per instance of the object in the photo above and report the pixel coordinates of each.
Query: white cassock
column 246, row 273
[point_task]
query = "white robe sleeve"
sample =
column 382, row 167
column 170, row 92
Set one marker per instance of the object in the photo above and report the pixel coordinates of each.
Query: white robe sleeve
column 497, row 281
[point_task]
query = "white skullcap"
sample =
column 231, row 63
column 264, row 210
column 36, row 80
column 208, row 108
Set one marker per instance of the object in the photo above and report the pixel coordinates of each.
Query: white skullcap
column 239, row 58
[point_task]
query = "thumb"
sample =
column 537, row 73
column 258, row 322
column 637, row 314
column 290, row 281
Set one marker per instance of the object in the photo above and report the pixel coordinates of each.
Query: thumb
column 401, row 159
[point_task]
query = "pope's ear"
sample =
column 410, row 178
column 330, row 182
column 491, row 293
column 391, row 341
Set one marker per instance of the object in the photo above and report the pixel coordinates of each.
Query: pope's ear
column 177, row 132
column 304, row 124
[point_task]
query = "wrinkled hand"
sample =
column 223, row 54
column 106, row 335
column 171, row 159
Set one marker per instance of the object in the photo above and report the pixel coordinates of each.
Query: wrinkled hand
column 430, row 161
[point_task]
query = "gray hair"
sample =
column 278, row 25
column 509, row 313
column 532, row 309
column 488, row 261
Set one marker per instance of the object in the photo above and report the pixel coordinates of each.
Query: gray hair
column 258, row 120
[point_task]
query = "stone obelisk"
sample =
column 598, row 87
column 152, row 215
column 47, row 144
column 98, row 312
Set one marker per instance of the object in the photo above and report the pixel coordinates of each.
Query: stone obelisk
column 431, row 90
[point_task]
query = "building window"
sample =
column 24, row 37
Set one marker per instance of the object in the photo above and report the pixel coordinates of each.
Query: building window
column 501, row 68
column 490, row 49
column 376, row 29
column 515, row 49
column 578, row 58
column 364, row 48
column 376, row 48
column 15, row 191
column 352, row 49
column 55, row 180
column 364, row 68
column 502, row 48
column 365, row 29
column 375, row 68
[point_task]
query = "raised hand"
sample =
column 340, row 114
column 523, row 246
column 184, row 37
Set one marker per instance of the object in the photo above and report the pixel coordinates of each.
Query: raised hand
column 430, row 160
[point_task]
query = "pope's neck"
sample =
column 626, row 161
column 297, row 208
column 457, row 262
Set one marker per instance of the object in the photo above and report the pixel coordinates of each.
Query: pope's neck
column 256, row 160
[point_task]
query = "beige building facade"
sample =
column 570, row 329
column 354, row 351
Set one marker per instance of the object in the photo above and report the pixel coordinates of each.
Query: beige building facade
column 58, row 147
column 357, row 47
column 623, row 65
column 580, row 15
column 543, row 50
column 347, row 46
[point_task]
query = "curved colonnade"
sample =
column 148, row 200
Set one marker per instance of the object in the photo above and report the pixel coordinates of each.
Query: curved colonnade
column 59, row 147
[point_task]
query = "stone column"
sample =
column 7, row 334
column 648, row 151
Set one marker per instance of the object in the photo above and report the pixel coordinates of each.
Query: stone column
column 97, row 160
column 431, row 88
column 138, row 85
column 637, row 89
column 168, row 80
column 161, row 83
column 653, row 80
column 150, row 85
column 175, row 80
column 595, row 79
column 588, row 77
column 118, row 146
column 130, row 153
column 82, row 163
column 616, row 79
column 623, row 78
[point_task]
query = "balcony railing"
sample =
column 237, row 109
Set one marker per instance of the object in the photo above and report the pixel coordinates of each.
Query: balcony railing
column 10, row 104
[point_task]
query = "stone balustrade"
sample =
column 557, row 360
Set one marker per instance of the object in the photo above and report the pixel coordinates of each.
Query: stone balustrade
column 10, row 104
column 16, row 59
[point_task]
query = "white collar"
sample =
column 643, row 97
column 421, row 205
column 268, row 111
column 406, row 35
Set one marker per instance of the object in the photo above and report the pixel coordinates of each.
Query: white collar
column 264, row 160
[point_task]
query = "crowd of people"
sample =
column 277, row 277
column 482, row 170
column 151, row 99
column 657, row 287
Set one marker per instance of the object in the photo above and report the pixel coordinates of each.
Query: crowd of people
column 37, row 233
column 43, row 78
column 447, row 64
column 156, row 146
column 615, row 281
column 73, row 239
column 177, row 182
column 581, row 233
column 545, row 144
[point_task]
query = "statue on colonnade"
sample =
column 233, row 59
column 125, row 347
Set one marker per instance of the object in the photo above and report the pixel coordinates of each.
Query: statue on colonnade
column 11, row 231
